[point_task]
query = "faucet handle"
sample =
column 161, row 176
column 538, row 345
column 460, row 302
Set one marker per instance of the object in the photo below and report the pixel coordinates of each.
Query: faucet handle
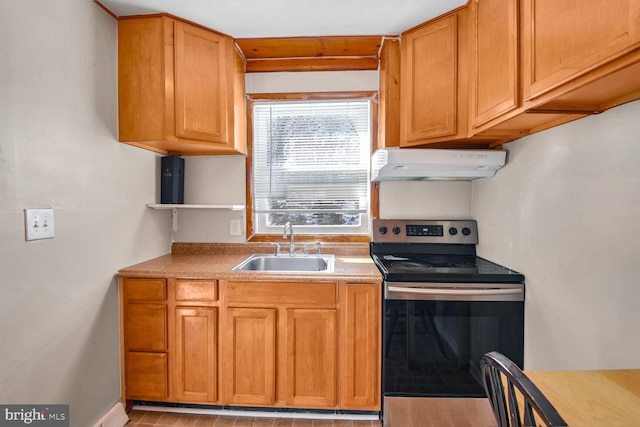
column 277, row 245
column 318, row 248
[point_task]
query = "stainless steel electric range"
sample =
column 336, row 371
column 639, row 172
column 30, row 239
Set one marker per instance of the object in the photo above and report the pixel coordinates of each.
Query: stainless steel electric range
column 444, row 307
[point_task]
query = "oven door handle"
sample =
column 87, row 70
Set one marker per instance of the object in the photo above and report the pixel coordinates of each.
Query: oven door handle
column 415, row 293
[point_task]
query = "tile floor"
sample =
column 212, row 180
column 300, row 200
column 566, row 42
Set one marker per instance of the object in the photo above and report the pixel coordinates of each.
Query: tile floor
column 141, row 418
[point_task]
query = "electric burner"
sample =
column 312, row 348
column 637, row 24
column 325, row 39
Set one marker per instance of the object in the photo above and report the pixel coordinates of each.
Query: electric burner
column 410, row 265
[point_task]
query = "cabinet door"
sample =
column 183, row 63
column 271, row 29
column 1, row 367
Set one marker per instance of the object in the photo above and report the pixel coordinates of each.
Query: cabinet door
column 389, row 106
column 146, row 376
column 429, row 81
column 361, row 347
column 311, row 358
column 141, row 79
column 201, row 84
column 563, row 39
column 494, row 78
column 195, row 354
column 249, row 356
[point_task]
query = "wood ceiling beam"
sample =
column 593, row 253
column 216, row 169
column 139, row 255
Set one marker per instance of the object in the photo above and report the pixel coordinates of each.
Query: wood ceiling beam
column 311, row 64
column 311, row 53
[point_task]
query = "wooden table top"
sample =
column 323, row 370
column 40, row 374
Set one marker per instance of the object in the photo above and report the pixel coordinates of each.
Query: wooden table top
column 595, row 398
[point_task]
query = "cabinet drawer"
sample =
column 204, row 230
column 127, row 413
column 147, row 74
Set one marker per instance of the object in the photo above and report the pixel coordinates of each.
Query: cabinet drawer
column 201, row 291
column 146, row 327
column 145, row 290
column 269, row 293
column 146, row 375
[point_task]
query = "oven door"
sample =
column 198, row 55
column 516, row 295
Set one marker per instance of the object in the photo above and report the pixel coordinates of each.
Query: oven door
column 435, row 335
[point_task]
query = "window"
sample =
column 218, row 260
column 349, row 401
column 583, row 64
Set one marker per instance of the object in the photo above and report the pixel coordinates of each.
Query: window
column 310, row 163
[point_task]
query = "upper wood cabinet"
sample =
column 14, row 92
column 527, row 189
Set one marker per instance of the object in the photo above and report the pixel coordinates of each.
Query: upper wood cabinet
column 564, row 39
column 433, row 85
column 180, row 86
column 494, row 88
column 389, row 105
column 497, row 70
column 577, row 58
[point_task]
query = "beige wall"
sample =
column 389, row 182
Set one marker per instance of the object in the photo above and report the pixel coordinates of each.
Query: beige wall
column 425, row 200
column 312, row 81
column 565, row 211
column 58, row 119
column 212, row 180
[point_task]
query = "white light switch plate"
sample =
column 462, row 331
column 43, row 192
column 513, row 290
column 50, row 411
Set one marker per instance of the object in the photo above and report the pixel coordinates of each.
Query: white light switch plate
column 38, row 224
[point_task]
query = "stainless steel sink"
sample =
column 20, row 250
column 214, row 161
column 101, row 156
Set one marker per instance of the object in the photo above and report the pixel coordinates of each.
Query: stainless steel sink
column 288, row 263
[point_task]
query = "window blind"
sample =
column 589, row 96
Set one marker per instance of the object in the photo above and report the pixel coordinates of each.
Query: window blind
column 311, row 157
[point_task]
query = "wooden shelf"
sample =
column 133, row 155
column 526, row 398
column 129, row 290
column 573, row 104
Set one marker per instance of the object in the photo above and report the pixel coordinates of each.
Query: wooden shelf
column 174, row 210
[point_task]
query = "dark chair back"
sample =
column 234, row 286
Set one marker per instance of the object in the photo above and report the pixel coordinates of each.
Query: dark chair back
column 499, row 371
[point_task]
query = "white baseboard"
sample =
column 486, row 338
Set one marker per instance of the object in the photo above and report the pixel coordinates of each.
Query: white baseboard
column 115, row 417
column 257, row 414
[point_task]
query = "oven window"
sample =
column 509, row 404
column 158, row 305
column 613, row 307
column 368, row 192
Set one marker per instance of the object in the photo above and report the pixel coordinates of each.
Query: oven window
column 433, row 348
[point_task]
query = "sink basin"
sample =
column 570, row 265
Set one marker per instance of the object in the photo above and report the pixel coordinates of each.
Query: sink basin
column 287, row 263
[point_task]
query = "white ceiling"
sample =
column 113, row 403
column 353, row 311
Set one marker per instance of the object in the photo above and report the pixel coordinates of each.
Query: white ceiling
column 294, row 18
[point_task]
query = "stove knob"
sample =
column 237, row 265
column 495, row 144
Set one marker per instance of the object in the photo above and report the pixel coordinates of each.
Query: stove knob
column 396, row 230
column 453, row 231
column 383, row 230
column 466, row 231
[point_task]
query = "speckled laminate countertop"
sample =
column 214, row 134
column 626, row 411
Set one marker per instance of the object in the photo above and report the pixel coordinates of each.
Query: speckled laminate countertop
column 214, row 260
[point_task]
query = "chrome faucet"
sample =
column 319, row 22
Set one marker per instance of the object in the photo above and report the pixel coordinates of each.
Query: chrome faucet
column 292, row 249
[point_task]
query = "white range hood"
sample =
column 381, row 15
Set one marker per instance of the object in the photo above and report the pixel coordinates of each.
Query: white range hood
column 426, row 164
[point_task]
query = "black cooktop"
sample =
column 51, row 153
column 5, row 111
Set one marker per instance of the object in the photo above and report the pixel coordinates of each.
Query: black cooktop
column 434, row 251
column 445, row 268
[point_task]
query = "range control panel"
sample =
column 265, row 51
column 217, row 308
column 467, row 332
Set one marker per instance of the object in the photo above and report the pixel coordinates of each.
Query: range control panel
column 425, row 231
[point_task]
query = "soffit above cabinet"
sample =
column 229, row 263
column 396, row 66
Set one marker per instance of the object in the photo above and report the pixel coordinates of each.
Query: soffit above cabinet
column 311, row 53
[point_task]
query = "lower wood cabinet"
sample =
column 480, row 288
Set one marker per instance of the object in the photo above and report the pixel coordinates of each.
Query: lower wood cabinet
column 249, row 354
column 311, row 342
column 252, row 343
column 145, row 341
column 360, row 346
column 279, row 345
column 147, row 375
column 195, row 354
column 169, row 340
column 308, row 375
